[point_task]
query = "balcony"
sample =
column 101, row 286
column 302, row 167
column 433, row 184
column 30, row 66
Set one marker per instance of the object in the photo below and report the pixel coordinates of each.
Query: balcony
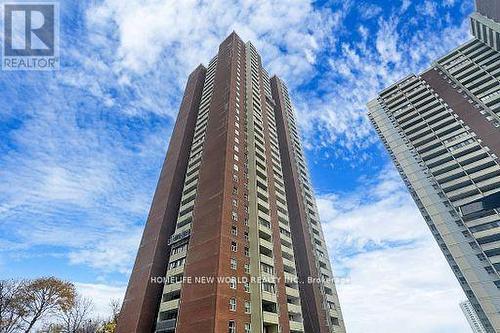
column 288, row 263
column 287, row 250
column 186, row 209
column 292, row 292
column 290, row 277
column 267, row 259
column 171, row 287
column 266, row 244
column 296, row 326
column 175, row 271
column 269, row 297
column 269, row 317
column 169, row 305
column 294, row 308
column 179, row 236
column 265, row 226
column 165, row 326
column 262, row 203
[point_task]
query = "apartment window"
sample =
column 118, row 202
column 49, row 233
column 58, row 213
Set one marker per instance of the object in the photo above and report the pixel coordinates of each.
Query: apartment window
column 236, row 148
column 246, row 236
column 247, row 268
column 246, row 287
column 236, row 132
column 234, row 247
column 248, row 307
column 236, row 140
column 235, row 203
column 247, row 328
column 180, row 249
column 235, row 216
column 232, row 304
column 232, row 283
column 234, row 263
column 236, row 158
column 247, row 252
column 177, row 263
column 235, row 167
column 232, row 327
column 234, row 230
column 267, row 268
column 269, row 287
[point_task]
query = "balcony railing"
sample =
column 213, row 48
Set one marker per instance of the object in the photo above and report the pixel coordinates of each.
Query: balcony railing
column 165, row 325
column 178, row 237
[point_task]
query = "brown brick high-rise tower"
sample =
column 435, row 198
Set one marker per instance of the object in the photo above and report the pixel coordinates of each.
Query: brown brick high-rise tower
column 233, row 230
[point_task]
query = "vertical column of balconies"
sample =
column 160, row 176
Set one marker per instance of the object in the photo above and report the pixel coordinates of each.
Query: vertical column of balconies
column 326, row 279
column 271, row 245
column 288, row 295
column 180, row 239
column 486, row 30
column 261, row 260
column 261, row 233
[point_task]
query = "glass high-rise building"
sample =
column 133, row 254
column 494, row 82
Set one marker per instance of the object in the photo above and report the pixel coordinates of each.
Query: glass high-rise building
column 233, row 230
column 442, row 130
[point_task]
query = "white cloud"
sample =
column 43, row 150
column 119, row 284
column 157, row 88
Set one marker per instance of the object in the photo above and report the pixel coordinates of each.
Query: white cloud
column 428, row 8
column 393, row 217
column 399, row 280
column 405, row 5
column 113, row 253
column 405, row 289
column 334, row 116
column 369, row 11
column 101, row 296
column 449, row 3
column 186, row 32
column 387, row 42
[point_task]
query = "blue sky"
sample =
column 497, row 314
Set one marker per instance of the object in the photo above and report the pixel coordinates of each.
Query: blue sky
column 81, row 148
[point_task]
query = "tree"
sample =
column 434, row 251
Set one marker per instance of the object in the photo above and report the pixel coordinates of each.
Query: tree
column 76, row 318
column 12, row 308
column 50, row 305
column 46, row 296
column 110, row 325
column 115, row 306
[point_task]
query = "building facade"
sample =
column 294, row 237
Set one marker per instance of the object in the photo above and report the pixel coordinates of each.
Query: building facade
column 472, row 318
column 442, row 130
column 233, row 241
